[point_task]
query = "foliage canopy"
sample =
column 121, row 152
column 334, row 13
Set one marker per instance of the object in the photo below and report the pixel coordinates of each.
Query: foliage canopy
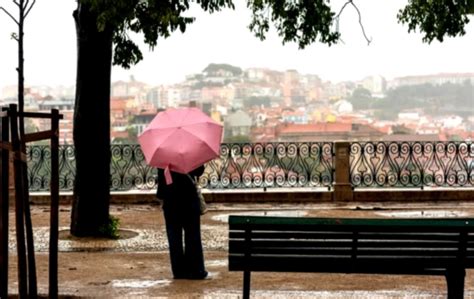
column 152, row 18
column 302, row 22
column 437, row 18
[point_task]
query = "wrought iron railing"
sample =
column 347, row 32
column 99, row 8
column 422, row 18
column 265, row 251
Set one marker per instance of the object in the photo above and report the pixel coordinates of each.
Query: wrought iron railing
column 129, row 170
column 269, row 165
column 274, row 165
column 259, row 165
column 412, row 164
column 39, row 169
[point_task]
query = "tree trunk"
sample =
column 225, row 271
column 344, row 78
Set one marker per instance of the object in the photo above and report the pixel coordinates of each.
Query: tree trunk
column 91, row 134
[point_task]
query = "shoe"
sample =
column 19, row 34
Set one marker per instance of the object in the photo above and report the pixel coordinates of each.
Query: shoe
column 200, row 275
column 180, row 276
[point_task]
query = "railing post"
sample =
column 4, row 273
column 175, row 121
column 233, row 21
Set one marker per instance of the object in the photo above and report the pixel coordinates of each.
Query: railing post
column 22, row 263
column 342, row 180
column 4, row 202
column 54, row 216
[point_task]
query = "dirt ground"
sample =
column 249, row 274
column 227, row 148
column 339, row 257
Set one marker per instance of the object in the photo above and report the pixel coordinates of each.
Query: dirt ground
column 137, row 265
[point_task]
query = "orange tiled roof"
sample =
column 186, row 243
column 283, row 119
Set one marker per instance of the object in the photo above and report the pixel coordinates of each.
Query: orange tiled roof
column 318, row 127
column 118, row 105
column 386, row 129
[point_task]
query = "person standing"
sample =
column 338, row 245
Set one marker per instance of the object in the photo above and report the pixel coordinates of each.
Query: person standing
column 181, row 209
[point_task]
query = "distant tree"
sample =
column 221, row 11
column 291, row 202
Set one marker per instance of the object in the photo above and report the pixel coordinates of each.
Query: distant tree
column 213, row 67
column 257, row 101
column 428, row 96
column 361, row 98
column 102, row 35
column 465, row 96
column 447, row 98
column 237, row 139
column 202, row 84
column 402, row 130
column 456, row 138
column 386, row 114
column 132, row 133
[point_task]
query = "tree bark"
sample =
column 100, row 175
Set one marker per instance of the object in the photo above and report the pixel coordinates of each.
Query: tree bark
column 91, row 133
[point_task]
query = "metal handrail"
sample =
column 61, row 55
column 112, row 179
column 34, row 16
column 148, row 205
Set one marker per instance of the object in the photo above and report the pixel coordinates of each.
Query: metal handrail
column 284, row 165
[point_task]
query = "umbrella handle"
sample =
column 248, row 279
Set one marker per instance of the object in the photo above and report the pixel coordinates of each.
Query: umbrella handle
column 168, row 178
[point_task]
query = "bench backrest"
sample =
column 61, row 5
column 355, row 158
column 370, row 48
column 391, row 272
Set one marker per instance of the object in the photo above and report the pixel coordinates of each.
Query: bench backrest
column 401, row 246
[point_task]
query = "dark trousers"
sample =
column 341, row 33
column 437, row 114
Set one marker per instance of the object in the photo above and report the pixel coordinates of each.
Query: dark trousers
column 187, row 258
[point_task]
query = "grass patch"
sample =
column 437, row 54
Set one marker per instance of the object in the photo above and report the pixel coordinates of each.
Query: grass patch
column 111, row 229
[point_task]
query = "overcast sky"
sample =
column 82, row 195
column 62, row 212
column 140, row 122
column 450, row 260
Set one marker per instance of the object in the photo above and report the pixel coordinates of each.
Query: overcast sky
column 50, row 47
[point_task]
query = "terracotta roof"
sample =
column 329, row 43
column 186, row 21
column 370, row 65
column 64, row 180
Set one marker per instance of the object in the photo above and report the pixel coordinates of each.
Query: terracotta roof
column 411, row 137
column 319, row 127
column 118, row 105
column 148, row 112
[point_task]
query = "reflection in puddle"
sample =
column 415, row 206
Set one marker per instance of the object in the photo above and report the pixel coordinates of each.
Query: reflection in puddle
column 225, row 217
column 423, row 214
column 216, row 263
column 135, row 283
column 379, row 294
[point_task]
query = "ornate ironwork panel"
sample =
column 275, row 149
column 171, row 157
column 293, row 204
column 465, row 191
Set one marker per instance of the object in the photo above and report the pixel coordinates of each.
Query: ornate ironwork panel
column 270, row 165
column 129, row 170
column 39, row 167
column 412, row 164
column 260, row 165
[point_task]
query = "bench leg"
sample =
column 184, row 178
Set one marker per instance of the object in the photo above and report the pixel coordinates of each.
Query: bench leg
column 246, row 294
column 455, row 282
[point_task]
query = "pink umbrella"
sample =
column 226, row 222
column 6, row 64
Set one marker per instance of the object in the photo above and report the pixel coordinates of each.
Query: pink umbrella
column 180, row 140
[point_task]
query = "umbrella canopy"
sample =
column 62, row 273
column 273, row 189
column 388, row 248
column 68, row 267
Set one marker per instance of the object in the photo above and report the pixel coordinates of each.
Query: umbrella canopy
column 180, row 140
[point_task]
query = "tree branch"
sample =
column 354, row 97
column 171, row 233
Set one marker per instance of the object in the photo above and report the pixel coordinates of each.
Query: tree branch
column 14, row 36
column 17, row 4
column 8, row 14
column 29, row 9
column 342, row 8
column 369, row 40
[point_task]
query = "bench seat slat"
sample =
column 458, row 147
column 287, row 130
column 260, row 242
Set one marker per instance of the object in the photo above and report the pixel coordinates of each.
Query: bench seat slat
column 337, row 264
column 345, row 235
column 348, row 251
column 331, row 244
column 384, row 224
column 348, row 242
column 344, row 228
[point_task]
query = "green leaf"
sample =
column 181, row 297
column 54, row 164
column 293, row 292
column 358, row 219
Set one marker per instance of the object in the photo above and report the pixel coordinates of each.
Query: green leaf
column 436, row 19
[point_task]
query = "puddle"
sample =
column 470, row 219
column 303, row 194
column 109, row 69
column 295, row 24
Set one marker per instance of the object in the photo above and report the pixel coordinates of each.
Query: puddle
column 139, row 284
column 225, row 217
column 423, row 214
column 212, row 275
column 379, row 294
column 216, row 263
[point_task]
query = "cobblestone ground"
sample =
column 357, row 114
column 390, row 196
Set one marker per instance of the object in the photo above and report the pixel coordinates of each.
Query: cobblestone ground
column 137, row 264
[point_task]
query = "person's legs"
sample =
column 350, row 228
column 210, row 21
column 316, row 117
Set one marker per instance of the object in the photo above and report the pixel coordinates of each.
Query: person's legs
column 174, row 231
column 193, row 247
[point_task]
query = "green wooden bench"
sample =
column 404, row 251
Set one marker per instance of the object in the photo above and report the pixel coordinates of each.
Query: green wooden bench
column 343, row 245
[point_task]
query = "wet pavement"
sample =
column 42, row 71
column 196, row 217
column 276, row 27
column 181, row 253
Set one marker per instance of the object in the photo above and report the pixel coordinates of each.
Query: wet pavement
column 137, row 264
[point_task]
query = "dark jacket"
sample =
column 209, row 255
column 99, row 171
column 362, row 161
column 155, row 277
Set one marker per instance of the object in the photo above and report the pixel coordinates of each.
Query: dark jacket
column 182, row 192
